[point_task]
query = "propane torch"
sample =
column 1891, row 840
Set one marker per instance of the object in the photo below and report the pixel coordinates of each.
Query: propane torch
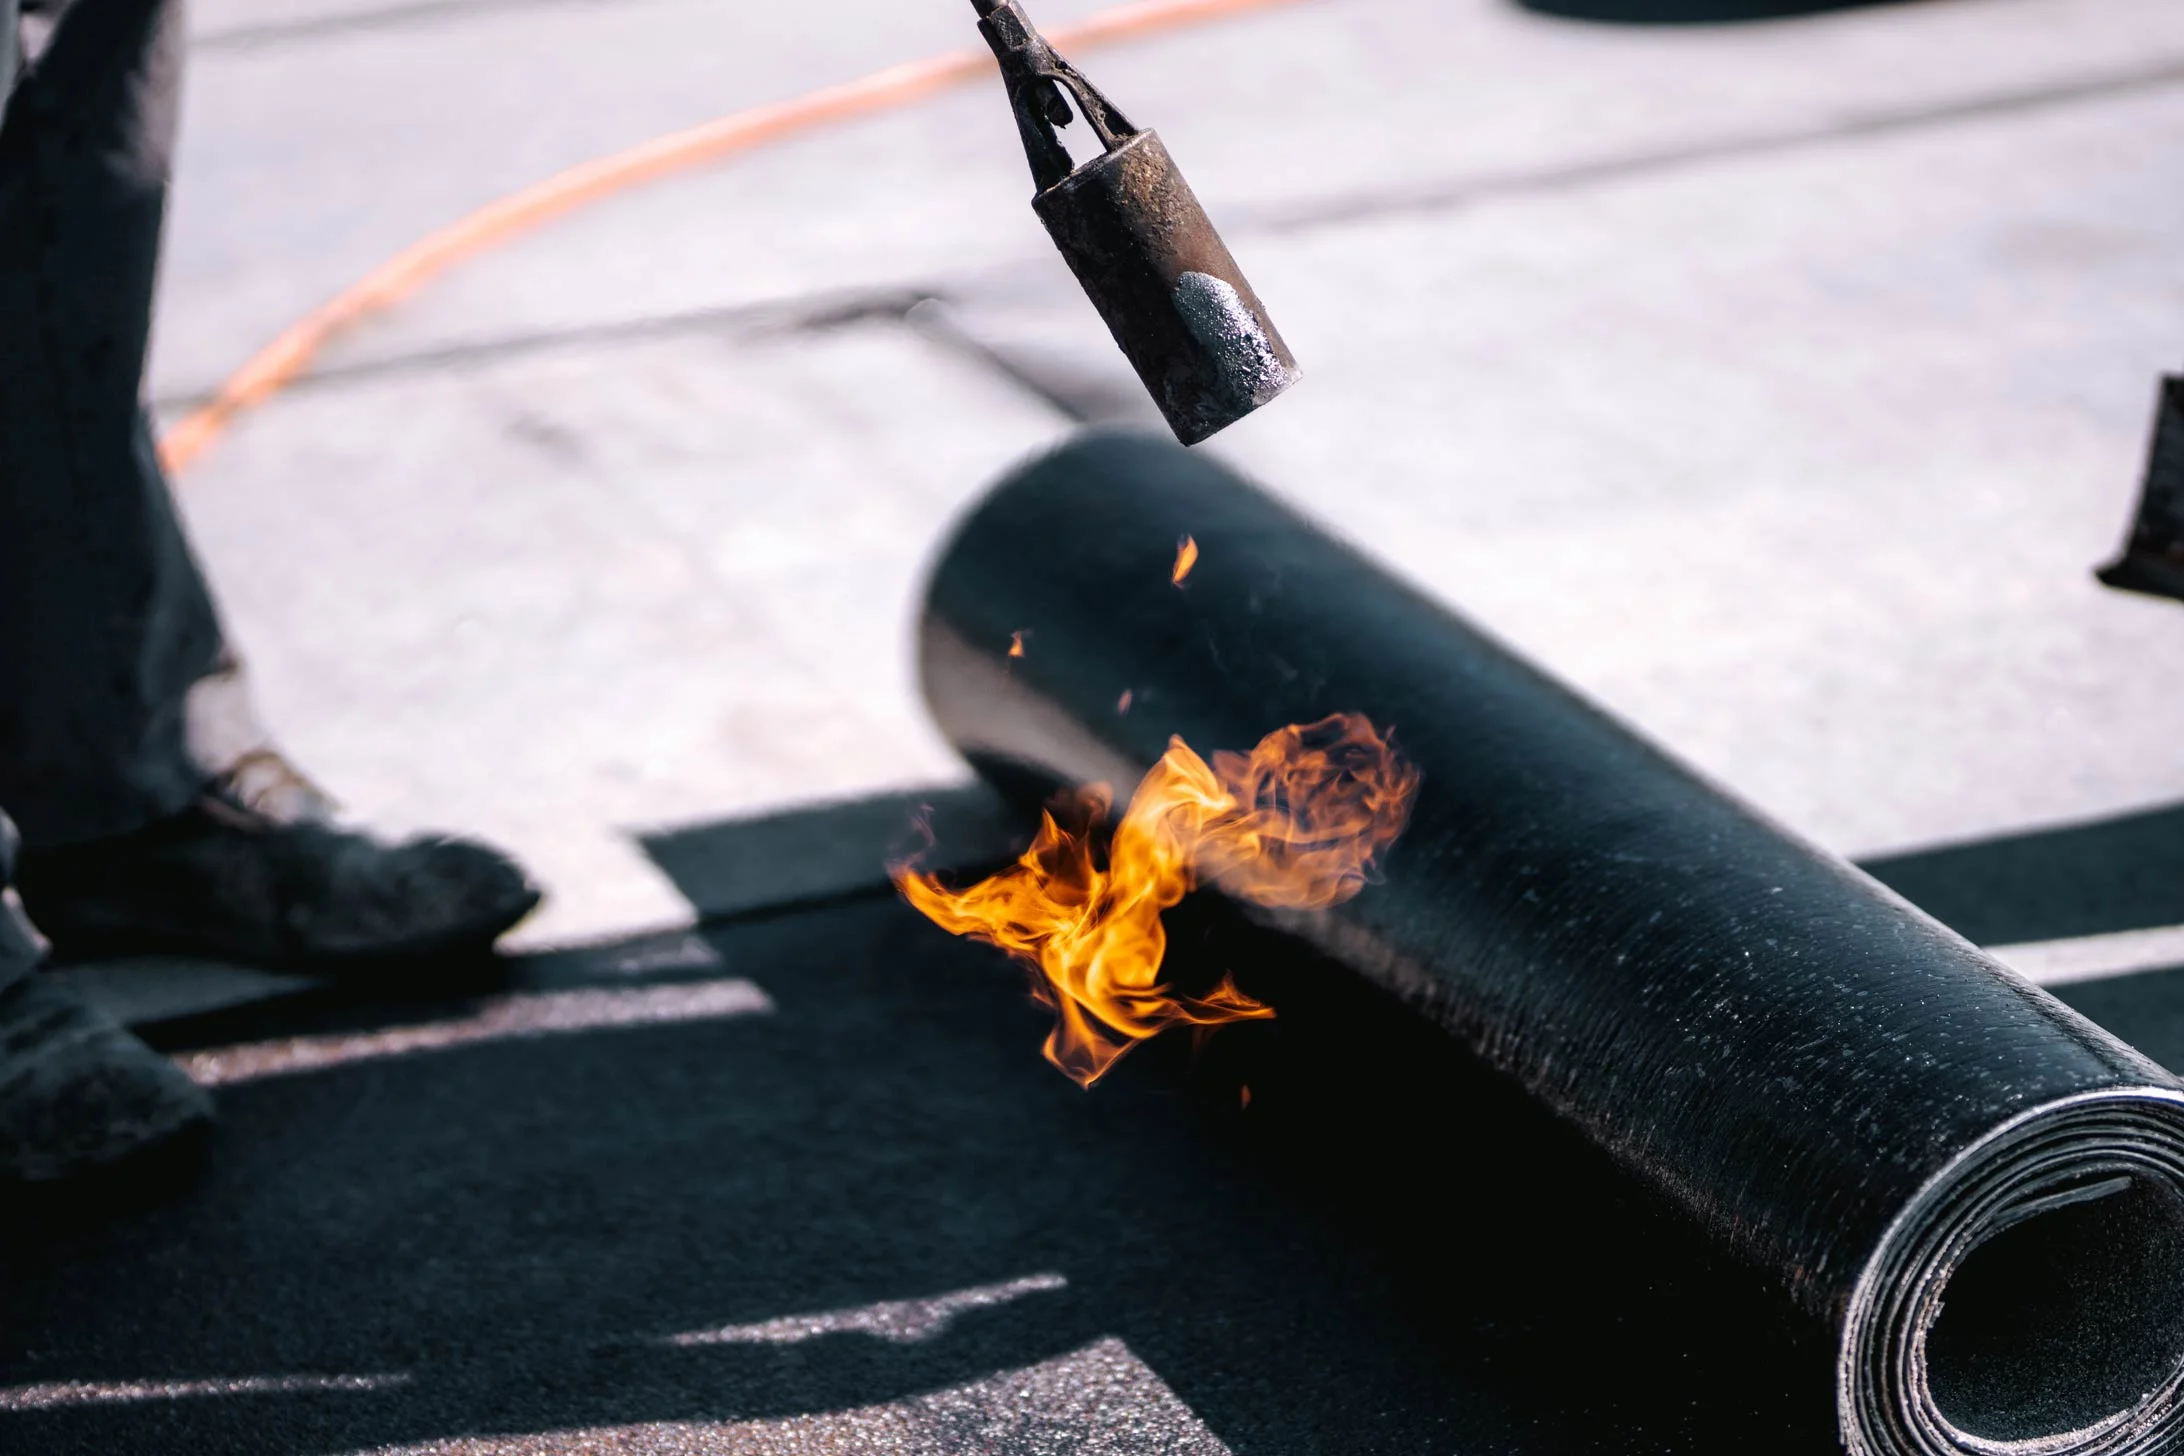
column 1142, row 248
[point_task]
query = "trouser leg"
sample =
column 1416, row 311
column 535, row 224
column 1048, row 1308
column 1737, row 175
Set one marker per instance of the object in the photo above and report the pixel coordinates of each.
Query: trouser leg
column 105, row 622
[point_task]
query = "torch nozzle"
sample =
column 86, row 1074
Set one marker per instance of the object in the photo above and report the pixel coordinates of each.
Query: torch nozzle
column 1138, row 241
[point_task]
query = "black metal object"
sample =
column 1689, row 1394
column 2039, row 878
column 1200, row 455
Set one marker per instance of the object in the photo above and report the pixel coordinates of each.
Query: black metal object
column 2153, row 556
column 1687, row 12
column 1837, row 1089
column 1131, row 230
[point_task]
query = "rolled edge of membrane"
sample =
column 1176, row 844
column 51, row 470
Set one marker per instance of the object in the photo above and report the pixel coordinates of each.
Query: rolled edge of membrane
column 2049, row 1157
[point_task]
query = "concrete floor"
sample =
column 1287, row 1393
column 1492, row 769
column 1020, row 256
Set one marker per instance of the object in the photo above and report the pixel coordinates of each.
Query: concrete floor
column 1778, row 384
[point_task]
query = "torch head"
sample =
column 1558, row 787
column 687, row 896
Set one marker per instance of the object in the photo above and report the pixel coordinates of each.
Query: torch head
column 1141, row 246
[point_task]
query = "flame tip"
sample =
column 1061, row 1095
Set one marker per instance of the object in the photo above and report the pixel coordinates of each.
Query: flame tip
column 1298, row 822
column 1186, row 557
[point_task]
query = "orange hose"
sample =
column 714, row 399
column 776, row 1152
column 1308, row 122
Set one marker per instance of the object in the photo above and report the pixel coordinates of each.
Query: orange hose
column 281, row 361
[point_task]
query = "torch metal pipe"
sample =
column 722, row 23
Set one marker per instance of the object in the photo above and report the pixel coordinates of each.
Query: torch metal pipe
column 1838, row 1089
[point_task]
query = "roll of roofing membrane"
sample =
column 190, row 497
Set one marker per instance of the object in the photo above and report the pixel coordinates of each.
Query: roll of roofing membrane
column 1981, row 1192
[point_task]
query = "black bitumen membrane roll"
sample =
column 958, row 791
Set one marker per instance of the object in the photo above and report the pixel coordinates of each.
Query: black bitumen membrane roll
column 1978, row 1191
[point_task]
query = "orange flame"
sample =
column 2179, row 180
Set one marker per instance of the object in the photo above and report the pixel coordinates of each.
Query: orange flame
column 1186, row 557
column 1295, row 824
column 1016, row 644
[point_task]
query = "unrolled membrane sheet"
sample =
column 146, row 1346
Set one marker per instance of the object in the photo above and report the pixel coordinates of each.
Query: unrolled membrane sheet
column 1980, row 1192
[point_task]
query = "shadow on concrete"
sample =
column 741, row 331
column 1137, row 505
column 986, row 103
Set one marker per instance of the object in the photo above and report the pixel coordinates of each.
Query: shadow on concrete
column 825, row 851
column 2145, row 1008
column 2125, row 873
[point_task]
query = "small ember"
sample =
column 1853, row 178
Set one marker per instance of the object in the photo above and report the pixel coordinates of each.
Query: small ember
column 1297, row 823
column 1122, row 704
column 1186, row 557
column 1016, row 644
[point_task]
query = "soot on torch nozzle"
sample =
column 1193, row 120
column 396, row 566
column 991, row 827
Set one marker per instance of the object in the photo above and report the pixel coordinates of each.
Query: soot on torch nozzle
column 1130, row 229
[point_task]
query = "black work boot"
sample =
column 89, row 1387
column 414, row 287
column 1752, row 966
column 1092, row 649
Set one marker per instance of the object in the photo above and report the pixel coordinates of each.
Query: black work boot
column 224, row 881
column 80, row 1098
column 82, row 1102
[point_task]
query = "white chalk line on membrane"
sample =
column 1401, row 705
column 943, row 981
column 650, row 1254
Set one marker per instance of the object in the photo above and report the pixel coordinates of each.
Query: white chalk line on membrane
column 53, row 1395
column 899, row 1321
column 498, row 1018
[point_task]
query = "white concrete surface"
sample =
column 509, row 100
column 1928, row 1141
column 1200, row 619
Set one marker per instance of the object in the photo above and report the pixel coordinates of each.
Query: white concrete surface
column 2094, row 957
column 1777, row 383
column 562, row 597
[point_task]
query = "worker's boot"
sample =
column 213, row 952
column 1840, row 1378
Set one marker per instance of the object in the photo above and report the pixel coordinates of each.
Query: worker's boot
column 273, row 887
column 79, row 1096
